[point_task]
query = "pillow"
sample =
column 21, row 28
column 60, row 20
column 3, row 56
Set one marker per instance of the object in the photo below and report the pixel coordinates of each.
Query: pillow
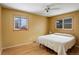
column 64, row 34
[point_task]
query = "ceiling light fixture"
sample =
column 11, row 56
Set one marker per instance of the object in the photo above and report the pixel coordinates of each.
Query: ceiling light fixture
column 48, row 8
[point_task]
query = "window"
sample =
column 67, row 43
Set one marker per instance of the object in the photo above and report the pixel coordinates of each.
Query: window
column 68, row 23
column 59, row 24
column 20, row 23
column 65, row 23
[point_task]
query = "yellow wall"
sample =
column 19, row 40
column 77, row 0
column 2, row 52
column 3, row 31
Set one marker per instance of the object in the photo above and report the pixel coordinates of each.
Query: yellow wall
column 0, row 30
column 37, row 27
column 74, row 31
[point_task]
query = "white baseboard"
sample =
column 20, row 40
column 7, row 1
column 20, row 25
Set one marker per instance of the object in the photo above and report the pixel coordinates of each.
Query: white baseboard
column 17, row 45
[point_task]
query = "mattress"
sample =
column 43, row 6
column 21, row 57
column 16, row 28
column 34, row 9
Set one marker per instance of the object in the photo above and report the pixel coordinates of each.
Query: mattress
column 58, row 42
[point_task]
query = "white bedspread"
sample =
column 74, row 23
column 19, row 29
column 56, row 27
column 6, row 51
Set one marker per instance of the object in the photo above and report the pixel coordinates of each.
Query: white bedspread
column 58, row 43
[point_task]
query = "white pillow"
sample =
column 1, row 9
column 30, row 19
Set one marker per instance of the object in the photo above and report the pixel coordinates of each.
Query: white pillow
column 64, row 34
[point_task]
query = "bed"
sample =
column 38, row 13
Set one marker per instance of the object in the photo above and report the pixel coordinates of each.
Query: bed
column 59, row 42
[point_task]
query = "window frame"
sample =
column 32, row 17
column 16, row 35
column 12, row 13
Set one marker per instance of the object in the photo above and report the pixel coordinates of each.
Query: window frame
column 63, row 23
column 20, row 19
column 70, row 23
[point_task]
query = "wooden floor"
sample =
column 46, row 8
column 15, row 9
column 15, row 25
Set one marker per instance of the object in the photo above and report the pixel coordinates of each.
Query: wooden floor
column 35, row 49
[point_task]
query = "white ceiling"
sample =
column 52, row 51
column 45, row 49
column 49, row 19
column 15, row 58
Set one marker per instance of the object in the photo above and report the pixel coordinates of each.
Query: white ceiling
column 39, row 8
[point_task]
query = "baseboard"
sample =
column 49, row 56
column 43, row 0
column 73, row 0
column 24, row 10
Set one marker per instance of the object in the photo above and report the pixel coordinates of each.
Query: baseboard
column 17, row 45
